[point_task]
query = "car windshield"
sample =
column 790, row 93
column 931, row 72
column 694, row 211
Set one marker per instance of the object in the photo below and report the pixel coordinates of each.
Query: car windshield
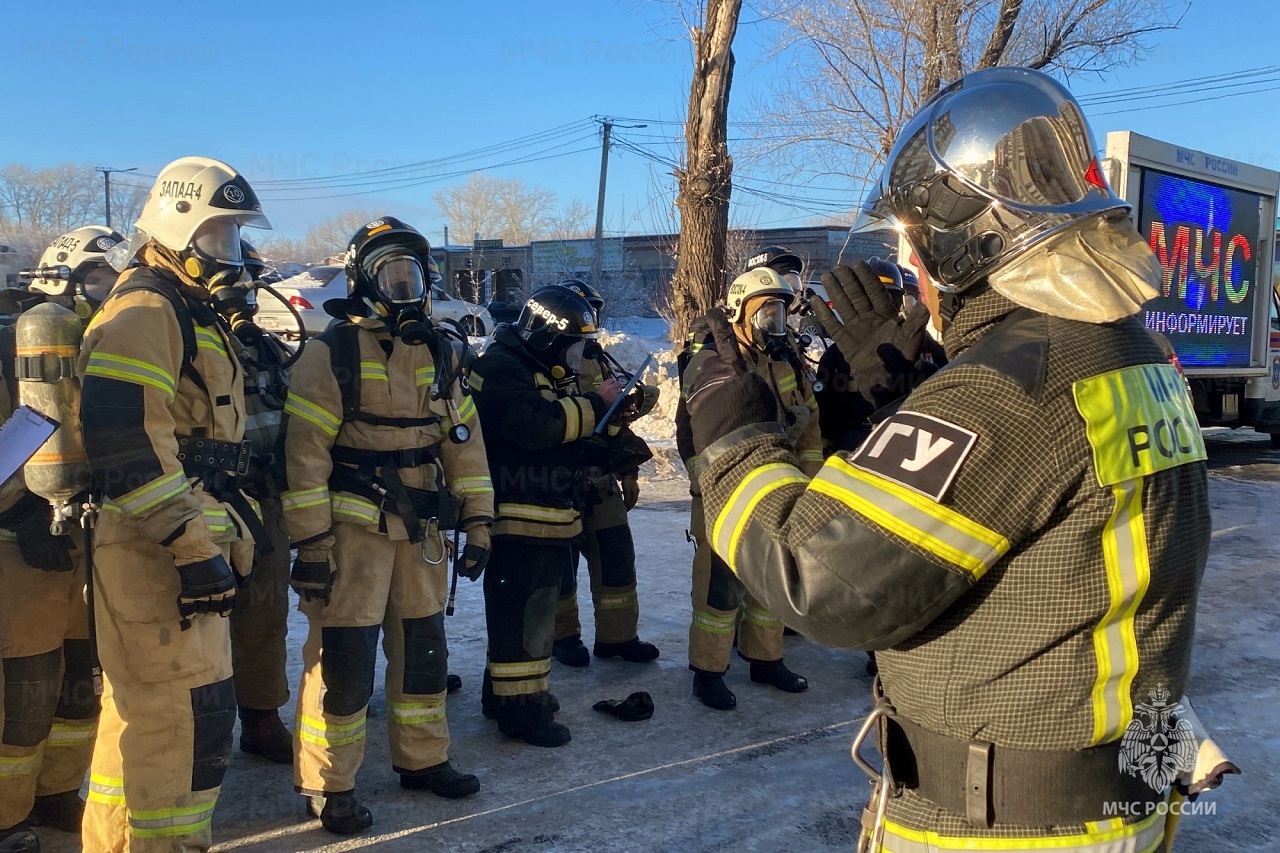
column 437, row 293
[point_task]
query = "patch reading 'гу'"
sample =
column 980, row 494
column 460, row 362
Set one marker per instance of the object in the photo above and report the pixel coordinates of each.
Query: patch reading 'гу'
column 918, row 451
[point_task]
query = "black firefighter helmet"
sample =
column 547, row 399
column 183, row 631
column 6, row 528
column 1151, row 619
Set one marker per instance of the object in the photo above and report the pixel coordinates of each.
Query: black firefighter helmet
column 388, row 262
column 586, row 291
column 553, row 319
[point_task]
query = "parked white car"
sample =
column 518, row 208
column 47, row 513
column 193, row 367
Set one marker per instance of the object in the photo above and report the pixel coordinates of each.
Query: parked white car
column 308, row 291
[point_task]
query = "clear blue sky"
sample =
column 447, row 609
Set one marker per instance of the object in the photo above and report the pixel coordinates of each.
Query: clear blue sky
column 309, row 90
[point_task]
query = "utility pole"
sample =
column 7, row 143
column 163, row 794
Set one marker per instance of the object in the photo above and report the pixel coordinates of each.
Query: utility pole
column 106, row 185
column 597, row 258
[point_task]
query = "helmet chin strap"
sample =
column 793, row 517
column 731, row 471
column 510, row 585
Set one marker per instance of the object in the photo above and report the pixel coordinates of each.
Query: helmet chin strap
column 949, row 304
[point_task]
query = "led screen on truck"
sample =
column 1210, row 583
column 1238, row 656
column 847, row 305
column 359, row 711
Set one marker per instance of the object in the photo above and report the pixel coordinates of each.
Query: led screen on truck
column 1206, row 238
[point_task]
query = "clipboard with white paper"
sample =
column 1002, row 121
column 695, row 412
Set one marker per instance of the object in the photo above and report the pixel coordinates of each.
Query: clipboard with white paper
column 20, row 437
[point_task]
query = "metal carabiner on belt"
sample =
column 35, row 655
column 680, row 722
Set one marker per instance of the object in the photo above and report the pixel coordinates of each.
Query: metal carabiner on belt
column 871, row 839
column 434, row 532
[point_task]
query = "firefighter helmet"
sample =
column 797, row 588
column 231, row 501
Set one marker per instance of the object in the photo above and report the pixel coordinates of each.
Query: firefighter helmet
column 83, row 253
column 195, row 210
column 586, row 291
column 761, row 281
column 555, row 317
column 254, row 265
column 995, row 163
column 389, row 261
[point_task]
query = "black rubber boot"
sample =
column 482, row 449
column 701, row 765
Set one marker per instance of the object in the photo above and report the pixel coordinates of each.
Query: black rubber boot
column 777, row 674
column 453, row 683
column 343, row 815
column 62, row 812
column 873, row 668
column 441, row 780
column 712, row 691
column 550, row 735
column 634, row 650
column 571, row 652
column 263, row 733
column 19, row 839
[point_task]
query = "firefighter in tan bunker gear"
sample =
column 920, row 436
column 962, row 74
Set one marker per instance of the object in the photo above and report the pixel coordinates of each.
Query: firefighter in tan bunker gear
column 1051, row 477
column 384, row 454
column 613, row 487
column 758, row 302
column 48, row 710
column 259, row 622
column 163, row 418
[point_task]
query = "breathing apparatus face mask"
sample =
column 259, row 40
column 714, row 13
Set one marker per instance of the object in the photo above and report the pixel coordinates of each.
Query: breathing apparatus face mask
column 214, row 255
column 97, row 283
column 400, row 288
column 769, row 329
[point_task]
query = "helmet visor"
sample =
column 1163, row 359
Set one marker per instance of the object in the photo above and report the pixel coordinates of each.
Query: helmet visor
column 99, row 281
column 793, row 279
column 399, row 280
column 771, row 317
column 219, row 240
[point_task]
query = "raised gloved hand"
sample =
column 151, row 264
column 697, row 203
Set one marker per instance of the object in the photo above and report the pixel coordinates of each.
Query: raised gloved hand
column 880, row 346
column 475, row 554
column 630, row 483
column 40, row 548
column 312, row 574
column 208, row 586
column 726, row 394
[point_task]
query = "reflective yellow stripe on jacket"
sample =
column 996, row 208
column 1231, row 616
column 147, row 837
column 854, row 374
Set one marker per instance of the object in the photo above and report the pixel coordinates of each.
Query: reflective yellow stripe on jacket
column 304, row 498
column 736, row 515
column 425, row 375
column 464, row 486
column 300, row 407
column 153, row 494
column 939, row 530
column 531, row 512
column 1124, row 550
column 374, row 370
column 1143, row 836
column 133, row 370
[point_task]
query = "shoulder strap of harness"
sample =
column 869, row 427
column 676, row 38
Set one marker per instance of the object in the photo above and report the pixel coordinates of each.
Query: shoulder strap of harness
column 181, row 309
column 343, row 340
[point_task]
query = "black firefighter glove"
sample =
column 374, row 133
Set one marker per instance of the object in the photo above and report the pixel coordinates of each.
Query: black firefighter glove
column 475, row 554
column 40, row 548
column 726, row 394
column 880, row 346
column 312, row 574
column 208, row 586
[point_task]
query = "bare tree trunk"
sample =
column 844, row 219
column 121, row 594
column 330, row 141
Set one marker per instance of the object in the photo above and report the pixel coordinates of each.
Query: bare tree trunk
column 706, row 180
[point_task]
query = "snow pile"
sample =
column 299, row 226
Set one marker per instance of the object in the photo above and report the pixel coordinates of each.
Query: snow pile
column 658, row 428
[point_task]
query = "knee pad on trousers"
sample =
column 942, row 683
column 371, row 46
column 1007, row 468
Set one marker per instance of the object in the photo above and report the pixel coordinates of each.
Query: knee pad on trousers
column 426, row 661
column 213, row 708
column 77, row 701
column 724, row 591
column 617, row 556
column 540, row 622
column 347, row 658
column 30, row 697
